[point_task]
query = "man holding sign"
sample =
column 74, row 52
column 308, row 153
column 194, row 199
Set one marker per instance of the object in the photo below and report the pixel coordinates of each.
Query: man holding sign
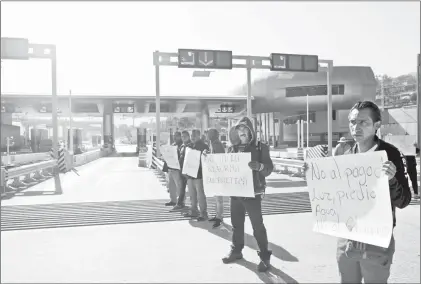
column 359, row 260
column 175, row 181
column 243, row 140
column 195, row 182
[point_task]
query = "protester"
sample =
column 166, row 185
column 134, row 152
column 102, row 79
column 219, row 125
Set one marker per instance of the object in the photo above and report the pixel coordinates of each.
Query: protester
column 356, row 260
column 175, row 181
column 216, row 147
column 195, row 185
column 411, row 169
column 187, row 143
column 243, row 139
column 342, row 147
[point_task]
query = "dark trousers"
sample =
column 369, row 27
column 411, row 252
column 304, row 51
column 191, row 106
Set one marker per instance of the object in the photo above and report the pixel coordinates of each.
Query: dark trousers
column 253, row 206
column 182, row 196
column 411, row 169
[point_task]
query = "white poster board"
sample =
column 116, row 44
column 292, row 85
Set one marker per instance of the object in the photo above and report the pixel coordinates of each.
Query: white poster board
column 405, row 143
column 227, row 175
column 191, row 163
column 350, row 197
column 170, row 156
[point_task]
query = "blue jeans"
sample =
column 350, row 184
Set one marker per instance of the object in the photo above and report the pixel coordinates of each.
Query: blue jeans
column 358, row 261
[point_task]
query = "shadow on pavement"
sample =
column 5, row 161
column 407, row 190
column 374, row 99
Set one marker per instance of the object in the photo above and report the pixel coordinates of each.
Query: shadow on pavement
column 274, row 275
column 30, row 193
column 225, row 232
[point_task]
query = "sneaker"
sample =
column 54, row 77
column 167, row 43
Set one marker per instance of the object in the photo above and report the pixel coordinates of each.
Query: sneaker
column 202, row 218
column 264, row 264
column 178, row 207
column 191, row 215
column 170, row 203
column 212, row 219
column 232, row 256
column 217, row 223
column 416, row 196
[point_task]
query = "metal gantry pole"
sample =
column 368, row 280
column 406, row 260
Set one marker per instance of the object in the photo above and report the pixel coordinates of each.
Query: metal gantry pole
column 70, row 123
column 157, row 103
column 329, row 107
column 57, row 183
column 54, row 100
column 308, row 123
column 419, row 102
column 249, row 111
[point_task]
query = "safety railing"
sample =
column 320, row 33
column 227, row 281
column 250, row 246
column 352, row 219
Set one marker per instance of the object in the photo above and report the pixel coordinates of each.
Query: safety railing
column 24, row 176
column 24, row 158
column 27, row 175
column 289, row 166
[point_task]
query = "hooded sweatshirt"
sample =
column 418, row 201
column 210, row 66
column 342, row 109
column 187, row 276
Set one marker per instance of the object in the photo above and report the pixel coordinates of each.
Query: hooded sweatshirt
column 259, row 152
column 215, row 144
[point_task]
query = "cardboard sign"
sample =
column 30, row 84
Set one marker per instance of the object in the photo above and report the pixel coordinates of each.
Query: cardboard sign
column 227, row 175
column 170, row 156
column 191, row 163
column 350, row 197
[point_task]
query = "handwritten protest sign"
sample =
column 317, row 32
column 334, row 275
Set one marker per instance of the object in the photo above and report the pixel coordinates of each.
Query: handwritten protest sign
column 170, row 156
column 405, row 143
column 227, row 175
column 350, row 197
column 191, row 163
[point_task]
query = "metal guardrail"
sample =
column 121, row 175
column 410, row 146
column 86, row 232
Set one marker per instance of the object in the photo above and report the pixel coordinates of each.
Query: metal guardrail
column 32, row 173
column 29, row 169
column 37, row 172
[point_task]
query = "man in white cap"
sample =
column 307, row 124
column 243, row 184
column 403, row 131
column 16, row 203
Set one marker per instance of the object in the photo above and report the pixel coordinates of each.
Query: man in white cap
column 342, row 147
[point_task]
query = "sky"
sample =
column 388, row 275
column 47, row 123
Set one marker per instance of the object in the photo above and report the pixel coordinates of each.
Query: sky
column 107, row 47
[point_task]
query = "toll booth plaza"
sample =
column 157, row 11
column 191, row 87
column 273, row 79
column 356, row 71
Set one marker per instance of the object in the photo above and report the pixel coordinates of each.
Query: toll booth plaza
column 109, row 222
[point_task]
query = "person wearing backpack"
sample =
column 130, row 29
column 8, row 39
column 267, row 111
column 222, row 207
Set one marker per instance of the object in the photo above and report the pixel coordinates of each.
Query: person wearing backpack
column 216, row 147
column 243, row 139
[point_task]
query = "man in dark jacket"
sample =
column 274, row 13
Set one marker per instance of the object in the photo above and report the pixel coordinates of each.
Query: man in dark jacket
column 174, row 175
column 411, row 169
column 187, row 143
column 243, row 139
column 356, row 260
column 216, row 147
column 195, row 185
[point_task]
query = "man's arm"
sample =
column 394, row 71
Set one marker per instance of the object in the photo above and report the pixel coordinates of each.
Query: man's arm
column 266, row 161
column 400, row 194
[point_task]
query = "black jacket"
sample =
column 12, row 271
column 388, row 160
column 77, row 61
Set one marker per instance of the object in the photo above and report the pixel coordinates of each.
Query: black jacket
column 400, row 194
column 259, row 152
column 215, row 144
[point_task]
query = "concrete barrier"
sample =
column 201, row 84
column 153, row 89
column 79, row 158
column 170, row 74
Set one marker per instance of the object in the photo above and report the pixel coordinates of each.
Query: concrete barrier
column 90, row 156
